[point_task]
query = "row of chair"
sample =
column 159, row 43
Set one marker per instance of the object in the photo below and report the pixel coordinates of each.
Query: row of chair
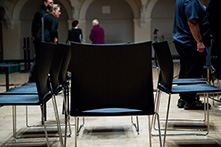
column 51, row 67
column 106, row 80
column 170, row 86
column 112, row 80
column 116, row 80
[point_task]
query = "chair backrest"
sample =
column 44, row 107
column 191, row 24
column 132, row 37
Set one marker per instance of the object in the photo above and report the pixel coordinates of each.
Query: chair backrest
column 111, row 76
column 56, row 65
column 165, row 62
column 65, row 63
column 43, row 65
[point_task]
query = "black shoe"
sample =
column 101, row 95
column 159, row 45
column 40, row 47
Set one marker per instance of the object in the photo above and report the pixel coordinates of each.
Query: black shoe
column 181, row 103
column 197, row 105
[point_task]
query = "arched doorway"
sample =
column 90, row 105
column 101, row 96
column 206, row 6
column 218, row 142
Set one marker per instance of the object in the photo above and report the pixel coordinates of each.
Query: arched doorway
column 117, row 22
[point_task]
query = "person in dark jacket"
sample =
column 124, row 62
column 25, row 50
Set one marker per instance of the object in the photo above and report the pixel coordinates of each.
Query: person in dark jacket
column 37, row 21
column 214, row 15
column 36, row 30
column 51, row 24
column 97, row 33
column 191, row 34
column 75, row 34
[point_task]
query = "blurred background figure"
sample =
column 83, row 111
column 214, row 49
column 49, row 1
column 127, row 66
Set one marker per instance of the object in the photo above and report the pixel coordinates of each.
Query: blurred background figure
column 191, row 34
column 36, row 30
column 75, row 33
column 51, row 24
column 97, row 33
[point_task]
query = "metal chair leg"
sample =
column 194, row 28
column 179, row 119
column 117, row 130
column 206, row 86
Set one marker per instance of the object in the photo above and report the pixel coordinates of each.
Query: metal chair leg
column 157, row 106
column 167, row 116
column 81, row 126
column 136, row 125
column 15, row 126
column 149, row 125
column 67, row 113
column 57, row 119
column 171, row 129
column 14, row 121
column 76, row 130
column 46, row 133
column 160, row 136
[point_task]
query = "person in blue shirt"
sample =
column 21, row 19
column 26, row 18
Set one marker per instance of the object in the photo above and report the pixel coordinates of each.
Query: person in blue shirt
column 191, row 35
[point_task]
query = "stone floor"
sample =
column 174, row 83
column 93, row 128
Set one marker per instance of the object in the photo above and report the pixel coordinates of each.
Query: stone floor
column 105, row 131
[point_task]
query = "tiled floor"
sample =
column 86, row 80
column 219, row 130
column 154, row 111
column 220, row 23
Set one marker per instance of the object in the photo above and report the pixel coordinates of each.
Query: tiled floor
column 105, row 131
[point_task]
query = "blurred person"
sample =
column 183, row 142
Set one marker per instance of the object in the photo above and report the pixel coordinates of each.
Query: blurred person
column 97, row 33
column 36, row 30
column 191, row 34
column 51, row 24
column 75, row 33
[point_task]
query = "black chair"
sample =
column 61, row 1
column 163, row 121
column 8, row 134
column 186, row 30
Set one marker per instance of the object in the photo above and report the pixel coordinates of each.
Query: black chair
column 158, row 47
column 111, row 80
column 43, row 64
column 64, row 81
column 165, row 84
column 57, row 68
column 57, row 73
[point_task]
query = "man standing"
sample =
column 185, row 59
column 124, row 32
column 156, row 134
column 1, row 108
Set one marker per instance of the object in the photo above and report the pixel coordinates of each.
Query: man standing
column 97, row 33
column 36, row 31
column 191, row 36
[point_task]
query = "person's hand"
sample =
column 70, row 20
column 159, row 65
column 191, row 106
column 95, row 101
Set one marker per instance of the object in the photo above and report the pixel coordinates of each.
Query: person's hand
column 55, row 39
column 201, row 47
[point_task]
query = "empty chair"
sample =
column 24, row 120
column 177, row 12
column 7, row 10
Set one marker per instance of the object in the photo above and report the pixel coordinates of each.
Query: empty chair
column 165, row 84
column 111, row 80
column 43, row 64
column 159, row 47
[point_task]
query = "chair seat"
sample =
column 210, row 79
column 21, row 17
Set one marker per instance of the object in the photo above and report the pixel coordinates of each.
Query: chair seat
column 189, row 81
column 113, row 112
column 196, row 88
column 25, row 89
column 19, row 100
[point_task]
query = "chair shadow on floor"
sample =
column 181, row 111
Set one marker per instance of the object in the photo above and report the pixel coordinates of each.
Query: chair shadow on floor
column 195, row 143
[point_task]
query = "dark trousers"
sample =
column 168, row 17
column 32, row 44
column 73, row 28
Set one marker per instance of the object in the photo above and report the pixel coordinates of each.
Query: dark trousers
column 191, row 66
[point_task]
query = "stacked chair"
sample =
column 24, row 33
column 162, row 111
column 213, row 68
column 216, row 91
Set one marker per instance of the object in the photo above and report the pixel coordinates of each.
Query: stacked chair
column 59, row 83
column 26, row 94
column 111, row 80
column 56, row 82
column 165, row 84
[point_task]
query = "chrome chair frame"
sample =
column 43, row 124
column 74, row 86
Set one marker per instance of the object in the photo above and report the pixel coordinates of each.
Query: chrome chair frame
column 165, row 84
column 22, row 95
column 111, row 63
